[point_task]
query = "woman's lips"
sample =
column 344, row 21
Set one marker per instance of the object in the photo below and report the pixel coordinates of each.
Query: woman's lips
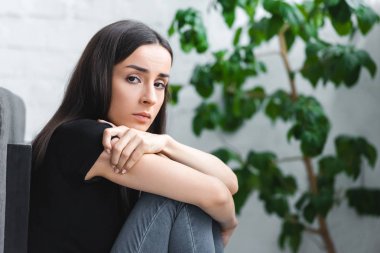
column 143, row 118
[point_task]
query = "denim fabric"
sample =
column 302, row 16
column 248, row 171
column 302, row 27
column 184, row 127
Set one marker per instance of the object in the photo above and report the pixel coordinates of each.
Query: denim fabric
column 159, row 225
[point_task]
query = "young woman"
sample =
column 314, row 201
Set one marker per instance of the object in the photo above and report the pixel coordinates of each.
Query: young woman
column 120, row 184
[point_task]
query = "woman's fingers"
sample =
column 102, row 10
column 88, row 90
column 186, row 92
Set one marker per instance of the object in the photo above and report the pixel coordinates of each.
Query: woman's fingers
column 113, row 142
column 127, row 152
column 136, row 155
column 227, row 233
column 108, row 133
column 118, row 148
column 225, row 239
column 129, row 147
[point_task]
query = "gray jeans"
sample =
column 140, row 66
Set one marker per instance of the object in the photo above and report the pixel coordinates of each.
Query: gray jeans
column 158, row 224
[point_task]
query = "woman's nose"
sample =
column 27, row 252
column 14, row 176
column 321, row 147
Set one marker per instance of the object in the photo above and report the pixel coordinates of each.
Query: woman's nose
column 148, row 95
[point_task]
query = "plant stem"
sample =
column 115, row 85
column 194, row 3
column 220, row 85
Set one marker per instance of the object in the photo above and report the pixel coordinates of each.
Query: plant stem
column 326, row 235
column 323, row 229
column 311, row 175
column 284, row 56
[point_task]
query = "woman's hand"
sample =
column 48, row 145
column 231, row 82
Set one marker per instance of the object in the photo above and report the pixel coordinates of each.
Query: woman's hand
column 130, row 146
column 226, row 233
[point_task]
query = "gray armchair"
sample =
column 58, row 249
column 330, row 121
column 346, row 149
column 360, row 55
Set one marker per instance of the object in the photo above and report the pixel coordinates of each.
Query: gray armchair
column 12, row 129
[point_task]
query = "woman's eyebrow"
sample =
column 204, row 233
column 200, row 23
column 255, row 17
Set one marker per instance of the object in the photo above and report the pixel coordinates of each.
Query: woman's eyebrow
column 144, row 70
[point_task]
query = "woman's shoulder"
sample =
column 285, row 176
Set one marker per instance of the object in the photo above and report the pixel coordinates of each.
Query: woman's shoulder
column 79, row 124
column 76, row 145
column 83, row 125
column 80, row 129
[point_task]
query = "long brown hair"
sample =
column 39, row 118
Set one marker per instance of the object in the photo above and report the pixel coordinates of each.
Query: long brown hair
column 88, row 94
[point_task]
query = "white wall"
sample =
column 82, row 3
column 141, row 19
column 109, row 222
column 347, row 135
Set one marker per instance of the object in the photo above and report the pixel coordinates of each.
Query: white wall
column 40, row 42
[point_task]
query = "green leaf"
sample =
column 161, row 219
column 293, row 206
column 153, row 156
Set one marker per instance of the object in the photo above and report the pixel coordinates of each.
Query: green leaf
column 336, row 63
column 171, row 29
column 351, row 151
column 237, row 36
column 207, row 116
column 323, row 201
column 173, row 91
column 275, row 24
column 311, row 126
column 262, row 161
column 262, row 67
column 329, row 166
column 287, row 12
column 367, row 62
column 237, row 98
column 277, row 205
column 228, row 11
column 302, row 200
column 271, row 178
column 249, row 6
column 192, row 33
column 326, row 182
column 197, row 124
column 313, row 67
column 289, row 184
column 313, row 139
column 248, row 182
column 365, row 201
column 342, row 28
column 314, row 20
column 226, row 155
column 351, row 65
column 248, row 107
column 346, row 151
column 331, row 2
column 220, row 55
column 258, row 31
column 230, row 124
column 291, row 234
column 264, row 29
column 229, row 17
column 247, row 103
column 309, row 213
column 256, row 93
column 202, row 80
column 313, row 204
column 279, row 106
column 312, row 70
column 313, row 48
column 367, row 18
column 340, row 13
column 368, row 151
column 289, row 39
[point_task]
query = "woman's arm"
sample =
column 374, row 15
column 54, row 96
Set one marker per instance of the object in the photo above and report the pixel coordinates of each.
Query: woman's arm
column 201, row 161
column 165, row 177
column 133, row 144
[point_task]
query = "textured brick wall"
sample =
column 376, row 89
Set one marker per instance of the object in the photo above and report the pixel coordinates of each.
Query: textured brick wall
column 40, row 42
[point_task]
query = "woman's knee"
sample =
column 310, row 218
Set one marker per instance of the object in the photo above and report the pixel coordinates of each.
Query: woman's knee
column 192, row 231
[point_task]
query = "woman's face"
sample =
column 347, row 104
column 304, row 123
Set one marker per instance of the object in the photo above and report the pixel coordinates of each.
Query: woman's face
column 138, row 87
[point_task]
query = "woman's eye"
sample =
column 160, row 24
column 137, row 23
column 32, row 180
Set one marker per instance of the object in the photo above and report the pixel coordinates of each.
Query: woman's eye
column 133, row 79
column 160, row 85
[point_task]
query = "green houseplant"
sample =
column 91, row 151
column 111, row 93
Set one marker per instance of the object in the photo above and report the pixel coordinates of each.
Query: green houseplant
column 326, row 63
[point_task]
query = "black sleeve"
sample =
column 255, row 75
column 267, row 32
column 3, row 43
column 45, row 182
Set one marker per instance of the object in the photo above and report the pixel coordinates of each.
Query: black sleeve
column 78, row 145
